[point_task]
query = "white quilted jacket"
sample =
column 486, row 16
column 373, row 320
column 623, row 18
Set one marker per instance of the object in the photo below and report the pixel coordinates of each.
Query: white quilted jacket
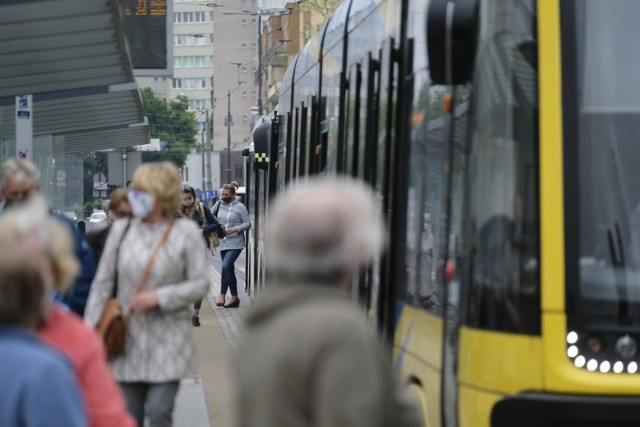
column 159, row 345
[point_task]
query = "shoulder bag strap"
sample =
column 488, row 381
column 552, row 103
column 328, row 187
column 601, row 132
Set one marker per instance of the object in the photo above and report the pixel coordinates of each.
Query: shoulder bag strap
column 217, row 209
column 147, row 269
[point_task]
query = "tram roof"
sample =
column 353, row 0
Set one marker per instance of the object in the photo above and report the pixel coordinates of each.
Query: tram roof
column 72, row 57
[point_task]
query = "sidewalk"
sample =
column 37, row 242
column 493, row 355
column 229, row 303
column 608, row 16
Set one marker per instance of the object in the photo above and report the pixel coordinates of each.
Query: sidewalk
column 205, row 398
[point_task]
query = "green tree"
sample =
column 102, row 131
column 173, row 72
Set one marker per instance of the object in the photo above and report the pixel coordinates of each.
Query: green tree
column 172, row 124
column 323, row 8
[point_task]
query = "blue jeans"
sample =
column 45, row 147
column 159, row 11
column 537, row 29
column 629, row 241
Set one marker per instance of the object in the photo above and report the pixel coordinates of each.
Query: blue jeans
column 228, row 276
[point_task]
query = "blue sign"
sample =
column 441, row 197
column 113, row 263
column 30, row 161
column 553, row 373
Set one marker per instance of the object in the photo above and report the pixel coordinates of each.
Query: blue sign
column 205, row 196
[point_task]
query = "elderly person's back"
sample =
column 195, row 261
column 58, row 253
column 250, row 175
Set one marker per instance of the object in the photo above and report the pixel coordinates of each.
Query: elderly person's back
column 308, row 357
column 30, row 228
column 38, row 385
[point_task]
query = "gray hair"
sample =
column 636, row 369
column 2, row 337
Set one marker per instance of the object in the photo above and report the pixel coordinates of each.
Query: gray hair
column 31, row 227
column 322, row 230
column 106, row 205
column 21, row 171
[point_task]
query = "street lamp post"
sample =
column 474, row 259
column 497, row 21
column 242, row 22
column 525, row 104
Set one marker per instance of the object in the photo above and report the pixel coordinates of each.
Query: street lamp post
column 228, row 136
column 259, row 13
column 202, row 154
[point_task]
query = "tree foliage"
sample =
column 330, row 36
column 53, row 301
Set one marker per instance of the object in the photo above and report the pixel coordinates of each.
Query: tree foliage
column 323, row 8
column 172, row 124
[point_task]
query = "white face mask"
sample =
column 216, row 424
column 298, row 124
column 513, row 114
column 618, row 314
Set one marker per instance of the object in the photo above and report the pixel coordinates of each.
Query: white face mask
column 141, row 203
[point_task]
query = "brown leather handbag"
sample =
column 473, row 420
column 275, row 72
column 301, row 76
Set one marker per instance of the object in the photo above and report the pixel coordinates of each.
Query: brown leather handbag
column 112, row 325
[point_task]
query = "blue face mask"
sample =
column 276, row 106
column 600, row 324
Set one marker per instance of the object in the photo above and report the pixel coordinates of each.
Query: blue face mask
column 141, row 203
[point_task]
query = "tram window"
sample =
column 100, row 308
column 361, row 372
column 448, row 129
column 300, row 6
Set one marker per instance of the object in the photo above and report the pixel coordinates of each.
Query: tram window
column 353, row 126
column 426, row 228
column 296, row 146
column 601, row 155
column 324, row 136
column 313, row 136
column 287, row 161
column 372, row 122
column 504, row 237
column 303, row 141
column 343, row 124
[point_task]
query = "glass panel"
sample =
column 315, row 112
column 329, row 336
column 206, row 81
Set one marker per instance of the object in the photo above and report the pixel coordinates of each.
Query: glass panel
column 607, row 180
column 503, row 248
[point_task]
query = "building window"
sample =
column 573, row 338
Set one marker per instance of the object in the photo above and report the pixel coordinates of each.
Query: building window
column 177, row 83
column 187, row 17
column 199, row 17
column 192, row 61
column 199, row 104
column 244, row 45
column 239, row 171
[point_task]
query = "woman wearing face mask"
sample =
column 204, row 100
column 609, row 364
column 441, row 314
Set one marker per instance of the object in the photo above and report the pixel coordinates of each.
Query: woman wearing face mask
column 158, row 347
column 205, row 221
column 235, row 218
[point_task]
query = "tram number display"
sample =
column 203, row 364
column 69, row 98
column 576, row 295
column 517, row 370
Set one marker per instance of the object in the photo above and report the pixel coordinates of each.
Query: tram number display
column 145, row 26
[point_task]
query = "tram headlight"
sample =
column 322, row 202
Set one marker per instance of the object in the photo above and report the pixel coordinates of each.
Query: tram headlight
column 580, row 361
column 605, row 366
column 572, row 351
column 592, row 365
column 632, row 368
column 618, row 367
column 572, row 337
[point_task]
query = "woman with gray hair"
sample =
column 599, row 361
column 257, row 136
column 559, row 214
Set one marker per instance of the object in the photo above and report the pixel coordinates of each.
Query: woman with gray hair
column 31, row 229
column 308, row 357
column 38, row 386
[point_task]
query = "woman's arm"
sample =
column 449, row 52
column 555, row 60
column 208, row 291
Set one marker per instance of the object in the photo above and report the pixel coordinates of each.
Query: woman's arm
column 212, row 223
column 245, row 219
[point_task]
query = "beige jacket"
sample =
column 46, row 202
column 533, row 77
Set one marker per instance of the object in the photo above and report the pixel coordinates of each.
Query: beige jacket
column 308, row 358
column 158, row 346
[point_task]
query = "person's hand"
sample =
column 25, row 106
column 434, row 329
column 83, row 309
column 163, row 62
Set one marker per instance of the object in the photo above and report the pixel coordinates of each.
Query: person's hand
column 144, row 301
column 228, row 231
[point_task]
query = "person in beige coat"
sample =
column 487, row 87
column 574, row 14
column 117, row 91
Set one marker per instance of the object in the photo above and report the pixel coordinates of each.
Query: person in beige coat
column 159, row 348
column 308, row 356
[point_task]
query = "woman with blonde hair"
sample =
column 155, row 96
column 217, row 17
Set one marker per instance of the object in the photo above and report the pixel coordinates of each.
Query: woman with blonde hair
column 158, row 347
column 46, row 240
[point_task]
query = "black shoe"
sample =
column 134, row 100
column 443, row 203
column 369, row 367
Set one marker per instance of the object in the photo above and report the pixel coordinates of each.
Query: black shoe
column 195, row 320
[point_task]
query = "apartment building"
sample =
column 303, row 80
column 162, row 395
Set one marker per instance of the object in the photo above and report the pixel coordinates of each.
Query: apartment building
column 214, row 65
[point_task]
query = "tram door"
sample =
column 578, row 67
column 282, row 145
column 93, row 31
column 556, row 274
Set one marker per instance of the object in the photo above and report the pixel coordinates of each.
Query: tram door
column 265, row 140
